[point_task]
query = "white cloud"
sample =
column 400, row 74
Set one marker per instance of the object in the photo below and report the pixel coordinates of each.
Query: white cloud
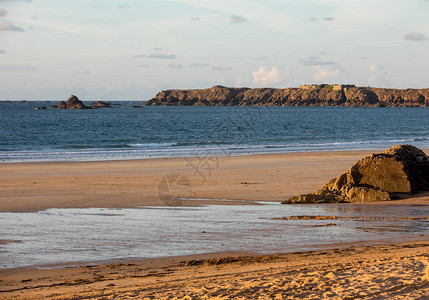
column 377, row 75
column 325, row 73
column 3, row 12
column 266, row 77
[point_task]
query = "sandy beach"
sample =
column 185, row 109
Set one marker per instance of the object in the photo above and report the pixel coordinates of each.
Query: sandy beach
column 340, row 272
column 394, row 271
column 133, row 183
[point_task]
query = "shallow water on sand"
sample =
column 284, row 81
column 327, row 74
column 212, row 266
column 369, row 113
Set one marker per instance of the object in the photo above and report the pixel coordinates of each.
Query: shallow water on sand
column 74, row 235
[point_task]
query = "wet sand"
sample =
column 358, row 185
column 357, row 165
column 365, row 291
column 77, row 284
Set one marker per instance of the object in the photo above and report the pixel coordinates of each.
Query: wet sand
column 362, row 272
column 133, row 183
column 358, row 271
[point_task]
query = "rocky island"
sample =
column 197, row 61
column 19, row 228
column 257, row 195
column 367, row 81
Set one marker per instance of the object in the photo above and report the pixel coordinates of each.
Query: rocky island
column 305, row 95
column 73, row 102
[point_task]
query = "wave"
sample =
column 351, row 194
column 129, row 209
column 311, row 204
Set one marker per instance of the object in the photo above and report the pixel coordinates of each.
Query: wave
column 152, row 145
column 201, row 149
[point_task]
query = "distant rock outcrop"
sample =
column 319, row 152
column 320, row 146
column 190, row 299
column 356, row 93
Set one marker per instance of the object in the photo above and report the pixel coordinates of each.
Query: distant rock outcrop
column 98, row 104
column 62, row 105
column 73, row 102
column 402, row 169
column 318, row 95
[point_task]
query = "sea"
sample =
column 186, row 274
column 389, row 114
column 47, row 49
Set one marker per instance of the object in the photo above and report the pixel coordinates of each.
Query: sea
column 127, row 132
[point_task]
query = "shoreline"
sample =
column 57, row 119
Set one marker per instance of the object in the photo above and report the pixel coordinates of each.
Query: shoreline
column 383, row 270
column 218, row 153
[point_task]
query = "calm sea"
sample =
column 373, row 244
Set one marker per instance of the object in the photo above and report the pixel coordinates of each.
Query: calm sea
column 124, row 132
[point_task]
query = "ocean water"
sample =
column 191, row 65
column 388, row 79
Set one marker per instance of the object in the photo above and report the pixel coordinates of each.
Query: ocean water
column 123, row 132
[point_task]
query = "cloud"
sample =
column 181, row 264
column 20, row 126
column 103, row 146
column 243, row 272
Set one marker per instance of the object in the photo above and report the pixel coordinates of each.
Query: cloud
column 124, row 6
column 2, row 51
column 195, row 19
column 16, row 68
column 314, row 61
column 157, row 49
column 158, row 56
column 221, row 68
column 266, row 77
column 175, row 66
column 144, row 66
column 329, row 19
column 84, row 72
column 324, row 73
column 238, row 19
column 15, row 1
column 414, row 36
column 377, row 75
column 3, row 12
column 194, row 65
column 6, row 26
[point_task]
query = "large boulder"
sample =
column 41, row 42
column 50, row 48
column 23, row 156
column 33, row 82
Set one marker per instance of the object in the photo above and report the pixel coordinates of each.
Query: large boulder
column 401, row 169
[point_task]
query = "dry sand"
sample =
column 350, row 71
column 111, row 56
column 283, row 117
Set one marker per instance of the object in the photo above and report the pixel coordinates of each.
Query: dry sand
column 124, row 184
column 360, row 272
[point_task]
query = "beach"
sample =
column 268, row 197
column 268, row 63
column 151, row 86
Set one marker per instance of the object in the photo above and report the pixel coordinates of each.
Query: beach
column 339, row 271
column 134, row 183
column 394, row 271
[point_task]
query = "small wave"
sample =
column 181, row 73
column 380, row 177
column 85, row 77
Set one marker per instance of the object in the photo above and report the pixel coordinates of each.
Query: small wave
column 118, row 146
column 152, row 145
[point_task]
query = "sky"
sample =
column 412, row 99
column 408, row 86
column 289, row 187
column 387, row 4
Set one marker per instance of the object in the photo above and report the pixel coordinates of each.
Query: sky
column 132, row 49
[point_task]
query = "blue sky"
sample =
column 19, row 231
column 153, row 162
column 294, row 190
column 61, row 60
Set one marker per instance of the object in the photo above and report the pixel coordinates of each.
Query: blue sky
column 131, row 49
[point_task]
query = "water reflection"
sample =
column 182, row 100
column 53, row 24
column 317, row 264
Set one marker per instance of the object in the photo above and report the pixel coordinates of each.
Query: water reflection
column 60, row 235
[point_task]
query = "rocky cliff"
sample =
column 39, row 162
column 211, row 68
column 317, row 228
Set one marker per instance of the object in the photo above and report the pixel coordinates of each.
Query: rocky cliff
column 321, row 95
